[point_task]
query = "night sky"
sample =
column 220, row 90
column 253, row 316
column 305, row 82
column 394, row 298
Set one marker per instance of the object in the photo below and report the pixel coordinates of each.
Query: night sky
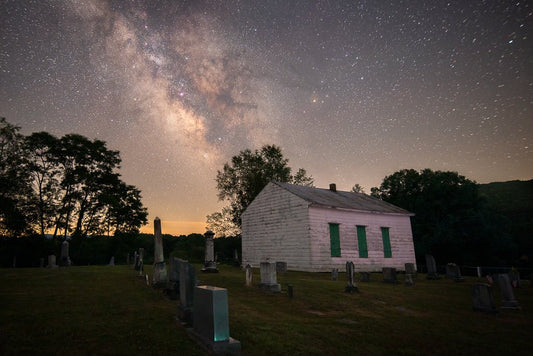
column 351, row 91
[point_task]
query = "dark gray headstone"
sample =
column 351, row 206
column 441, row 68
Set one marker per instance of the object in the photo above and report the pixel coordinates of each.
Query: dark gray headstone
column 409, row 281
column 364, row 276
column 187, row 285
column 211, row 321
column 173, row 283
column 112, row 261
column 351, row 287
column 51, row 261
column 334, row 274
column 482, row 298
column 453, row 272
column 389, row 275
column 269, row 279
column 506, row 289
column 432, row 268
column 281, row 267
column 410, row 268
column 41, row 262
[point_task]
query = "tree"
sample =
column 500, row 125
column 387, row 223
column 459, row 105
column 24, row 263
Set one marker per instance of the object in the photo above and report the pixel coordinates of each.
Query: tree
column 14, row 181
column 357, row 188
column 451, row 219
column 221, row 223
column 249, row 172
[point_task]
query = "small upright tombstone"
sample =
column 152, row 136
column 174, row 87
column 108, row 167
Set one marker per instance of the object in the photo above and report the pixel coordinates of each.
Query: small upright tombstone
column 281, row 267
column 112, row 261
column 482, row 298
column 432, row 268
column 351, row 287
column 269, row 277
column 211, row 321
column 41, row 262
column 249, row 275
column 187, row 285
column 140, row 261
column 409, row 280
column 410, row 269
column 334, row 274
column 135, row 260
column 454, row 272
column 389, row 275
column 173, row 284
column 210, row 266
column 159, row 269
column 364, row 276
column 51, row 261
column 506, row 289
column 64, row 260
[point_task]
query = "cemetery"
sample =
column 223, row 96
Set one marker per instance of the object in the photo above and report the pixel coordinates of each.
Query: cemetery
column 110, row 310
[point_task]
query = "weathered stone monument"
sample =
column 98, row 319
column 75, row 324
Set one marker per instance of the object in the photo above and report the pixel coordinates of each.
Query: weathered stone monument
column 173, row 284
column 112, row 261
column 41, row 262
column 334, row 274
column 140, row 261
column 364, row 276
column 210, row 265
column 135, row 260
column 51, row 261
column 506, row 289
column 64, row 260
column 187, row 285
column 269, row 277
column 159, row 278
column 249, row 275
column 410, row 269
column 351, row 287
column 454, row 272
column 389, row 275
column 281, row 267
column 482, row 298
column 211, row 321
column 409, row 281
column 432, row 268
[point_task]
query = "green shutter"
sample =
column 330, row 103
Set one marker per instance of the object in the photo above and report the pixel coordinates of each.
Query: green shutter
column 361, row 241
column 335, row 240
column 387, row 252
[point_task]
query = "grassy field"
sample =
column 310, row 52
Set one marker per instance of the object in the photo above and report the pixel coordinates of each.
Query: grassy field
column 102, row 310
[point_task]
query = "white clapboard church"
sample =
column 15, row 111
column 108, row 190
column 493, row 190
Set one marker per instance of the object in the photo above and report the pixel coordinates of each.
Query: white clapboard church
column 315, row 230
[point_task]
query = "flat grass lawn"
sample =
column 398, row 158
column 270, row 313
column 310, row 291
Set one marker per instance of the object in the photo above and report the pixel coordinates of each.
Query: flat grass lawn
column 101, row 310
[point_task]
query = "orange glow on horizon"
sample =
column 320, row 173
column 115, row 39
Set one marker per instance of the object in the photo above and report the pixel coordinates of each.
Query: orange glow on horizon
column 176, row 228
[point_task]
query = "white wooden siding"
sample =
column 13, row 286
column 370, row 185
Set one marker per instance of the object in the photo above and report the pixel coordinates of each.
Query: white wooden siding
column 275, row 227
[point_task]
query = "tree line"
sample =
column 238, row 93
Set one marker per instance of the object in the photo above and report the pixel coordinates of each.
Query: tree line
column 64, row 186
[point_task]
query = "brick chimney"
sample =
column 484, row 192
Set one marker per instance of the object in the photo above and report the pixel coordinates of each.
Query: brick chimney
column 333, row 187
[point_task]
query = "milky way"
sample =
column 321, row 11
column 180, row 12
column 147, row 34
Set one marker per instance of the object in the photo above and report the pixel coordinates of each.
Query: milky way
column 351, row 90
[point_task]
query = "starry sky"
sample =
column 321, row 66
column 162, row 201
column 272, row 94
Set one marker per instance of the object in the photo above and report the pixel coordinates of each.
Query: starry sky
column 351, row 91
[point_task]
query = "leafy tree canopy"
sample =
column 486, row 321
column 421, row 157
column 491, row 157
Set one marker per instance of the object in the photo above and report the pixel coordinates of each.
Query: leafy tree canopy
column 249, row 172
column 452, row 220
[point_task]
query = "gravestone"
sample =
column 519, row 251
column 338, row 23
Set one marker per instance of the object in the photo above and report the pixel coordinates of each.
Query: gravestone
column 51, row 261
column 140, row 261
column 364, row 276
column 236, row 261
column 173, row 284
column 249, row 275
column 112, row 261
column 41, row 262
column 409, row 280
column 210, row 266
column 479, row 272
column 135, row 260
column 410, row 269
column 506, row 289
column 351, row 287
column 64, row 260
column 514, row 277
column 454, row 272
column 187, row 285
column 432, row 268
column 211, row 321
column 482, row 298
column 159, row 279
column 334, row 274
column 269, row 277
column 389, row 275
column 281, row 267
